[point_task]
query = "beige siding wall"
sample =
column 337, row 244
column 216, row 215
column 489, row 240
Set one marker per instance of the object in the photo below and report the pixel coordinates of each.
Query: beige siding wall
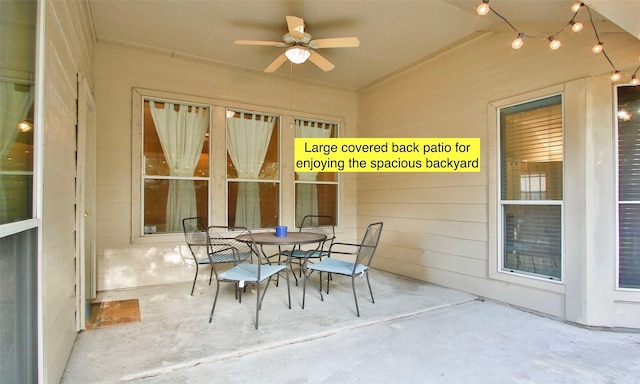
column 127, row 261
column 69, row 49
column 442, row 227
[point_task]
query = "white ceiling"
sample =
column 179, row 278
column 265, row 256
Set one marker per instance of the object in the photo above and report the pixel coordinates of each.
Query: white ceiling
column 393, row 34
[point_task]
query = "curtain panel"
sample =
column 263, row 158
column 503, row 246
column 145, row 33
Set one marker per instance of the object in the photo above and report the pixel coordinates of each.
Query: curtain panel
column 247, row 143
column 307, row 193
column 182, row 135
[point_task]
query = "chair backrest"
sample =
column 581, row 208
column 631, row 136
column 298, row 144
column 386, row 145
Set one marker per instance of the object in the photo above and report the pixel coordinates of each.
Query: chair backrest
column 369, row 244
column 321, row 224
column 195, row 236
column 223, row 245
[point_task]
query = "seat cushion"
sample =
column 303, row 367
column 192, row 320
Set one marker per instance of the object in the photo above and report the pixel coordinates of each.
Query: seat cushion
column 249, row 272
column 337, row 266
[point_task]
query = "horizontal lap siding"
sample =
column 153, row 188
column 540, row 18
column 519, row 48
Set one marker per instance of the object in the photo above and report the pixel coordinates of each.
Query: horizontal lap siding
column 428, row 225
column 69, row 45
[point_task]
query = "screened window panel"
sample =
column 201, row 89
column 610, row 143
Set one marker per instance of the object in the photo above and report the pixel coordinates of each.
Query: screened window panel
column 629, row 144
column 629, row 246
column 253, row 153
column 628, row 187
column 176, row 165
column 326, row 196
column 18, row 298
column 531, row 164
column 316, row 192
column 532, row 147
column 156, row 194
column 267, row 206
column 532, row 239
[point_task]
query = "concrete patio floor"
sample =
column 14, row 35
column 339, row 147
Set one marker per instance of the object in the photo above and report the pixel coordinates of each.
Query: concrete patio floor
column 414, row 333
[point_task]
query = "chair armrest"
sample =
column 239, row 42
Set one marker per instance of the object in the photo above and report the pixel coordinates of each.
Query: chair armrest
column 344, row 252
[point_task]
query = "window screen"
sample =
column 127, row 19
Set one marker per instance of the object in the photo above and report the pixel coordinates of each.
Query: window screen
column 628, row 187
column 531, row 157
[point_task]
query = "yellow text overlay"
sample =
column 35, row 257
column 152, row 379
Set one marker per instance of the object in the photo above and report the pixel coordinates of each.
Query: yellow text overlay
column 387, row 155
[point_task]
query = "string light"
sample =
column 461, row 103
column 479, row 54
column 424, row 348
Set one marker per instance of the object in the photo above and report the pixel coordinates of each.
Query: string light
column 483, row 8
column 576, row 7
column 518, row 42
column 554, row 42
column 576, row 27
column 615, row 76
column 597, row 48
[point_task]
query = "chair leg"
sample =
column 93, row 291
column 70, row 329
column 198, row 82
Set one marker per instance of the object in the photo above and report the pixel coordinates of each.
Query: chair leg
column 258, row 301
column 353, row 285
column 307, row 275
column 211, row 275
column 194, row 280
column 288, row 287
column 369, row 284
column 304, row 288
column 215, row 300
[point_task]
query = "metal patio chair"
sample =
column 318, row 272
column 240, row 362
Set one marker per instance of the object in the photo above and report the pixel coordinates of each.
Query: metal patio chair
column 195, row 236
column 362, row 253
column 321, row 224
column 244, row 271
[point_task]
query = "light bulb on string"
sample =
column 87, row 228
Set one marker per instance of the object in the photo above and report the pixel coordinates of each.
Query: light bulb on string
column 597, row 48
column 576, row 27
column 576, row 6
column 615, row 76
column 483, row 8
column 518, row 43
column 554, row 43
column 635, row 80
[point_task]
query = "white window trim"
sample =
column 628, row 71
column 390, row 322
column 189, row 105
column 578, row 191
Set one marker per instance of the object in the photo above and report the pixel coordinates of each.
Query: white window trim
column 495, row 270
column 137, row 161
column 337, row 183
column 218, row 155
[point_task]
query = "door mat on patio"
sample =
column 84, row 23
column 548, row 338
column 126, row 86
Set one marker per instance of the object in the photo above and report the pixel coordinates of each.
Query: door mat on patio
column 110, row 313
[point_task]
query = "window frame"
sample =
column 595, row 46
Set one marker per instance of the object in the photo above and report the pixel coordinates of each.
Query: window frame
column 336, row 182
column 495, row 219
column 618, row 201
column 218, row 203
column 145, row 176
column 277, row 127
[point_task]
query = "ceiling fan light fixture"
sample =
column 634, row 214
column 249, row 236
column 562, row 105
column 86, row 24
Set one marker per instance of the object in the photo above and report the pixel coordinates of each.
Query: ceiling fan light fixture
column 297, row 54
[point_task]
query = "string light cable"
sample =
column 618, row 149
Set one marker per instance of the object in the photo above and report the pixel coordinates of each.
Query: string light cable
column 554, row 43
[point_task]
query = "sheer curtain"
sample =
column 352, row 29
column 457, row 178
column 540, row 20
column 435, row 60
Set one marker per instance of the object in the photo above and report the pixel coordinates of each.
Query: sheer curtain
column 182, row 135
column 247, row 143
column 15, row 102
column 307, row 194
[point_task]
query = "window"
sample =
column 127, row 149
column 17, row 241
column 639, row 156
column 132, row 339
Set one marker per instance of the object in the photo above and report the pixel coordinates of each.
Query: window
column 176, row 165
column 19, row 177
column 253, row 169
column 16, row 152
column 628, row 187
column 316, row 192
column 531, row 190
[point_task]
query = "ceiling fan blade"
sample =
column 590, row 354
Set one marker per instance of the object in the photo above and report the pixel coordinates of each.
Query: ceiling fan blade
column 320, row 61
column 336, row 42
column 276, row 63
column 296, row 26
column 259, row 42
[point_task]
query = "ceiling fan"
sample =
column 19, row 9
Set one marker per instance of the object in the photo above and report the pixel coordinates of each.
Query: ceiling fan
column 301, row 46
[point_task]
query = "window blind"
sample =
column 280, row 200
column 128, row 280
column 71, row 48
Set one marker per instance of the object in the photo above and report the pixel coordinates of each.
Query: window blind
column 531, row 154
column 532, row 147
column 628, row 187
